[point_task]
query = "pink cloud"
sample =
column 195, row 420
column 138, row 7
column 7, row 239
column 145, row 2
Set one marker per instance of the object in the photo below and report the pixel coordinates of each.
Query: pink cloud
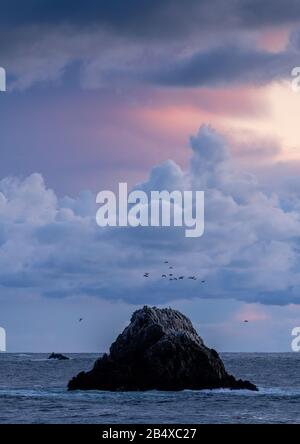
column 274, row 40
column 251, row 313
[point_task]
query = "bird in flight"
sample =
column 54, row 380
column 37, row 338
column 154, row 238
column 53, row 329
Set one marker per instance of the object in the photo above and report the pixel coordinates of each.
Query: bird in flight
column 163, row 275
column 166, row 262
column 80, row 319
column 246, row 320
column 146, row 275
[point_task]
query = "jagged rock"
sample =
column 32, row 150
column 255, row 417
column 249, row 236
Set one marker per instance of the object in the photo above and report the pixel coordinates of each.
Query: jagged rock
column 160, row 349
column 58, row 356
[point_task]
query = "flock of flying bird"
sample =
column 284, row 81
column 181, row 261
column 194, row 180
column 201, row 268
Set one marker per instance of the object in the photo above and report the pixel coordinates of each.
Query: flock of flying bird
column 174, row 278
column 171, row 276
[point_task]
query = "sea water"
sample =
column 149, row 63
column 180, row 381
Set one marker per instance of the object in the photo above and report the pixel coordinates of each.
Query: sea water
column 33, row 390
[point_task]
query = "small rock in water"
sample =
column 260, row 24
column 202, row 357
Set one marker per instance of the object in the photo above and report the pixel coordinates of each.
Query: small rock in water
column 160, row 349
column 58, row 356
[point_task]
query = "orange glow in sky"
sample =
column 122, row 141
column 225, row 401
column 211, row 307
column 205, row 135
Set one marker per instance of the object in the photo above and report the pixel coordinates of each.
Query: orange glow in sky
column 281, row 122
column 269, row 112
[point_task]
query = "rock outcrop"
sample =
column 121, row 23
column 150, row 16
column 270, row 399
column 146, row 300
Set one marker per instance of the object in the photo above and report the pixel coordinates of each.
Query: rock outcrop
column 160, row 349
column 58, row 356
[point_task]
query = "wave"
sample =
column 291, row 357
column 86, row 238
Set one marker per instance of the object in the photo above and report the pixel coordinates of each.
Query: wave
column 158, row 395
column 262, row 391
column 49, row 360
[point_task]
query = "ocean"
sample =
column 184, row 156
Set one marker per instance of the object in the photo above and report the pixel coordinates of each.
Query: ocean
column 33, row 390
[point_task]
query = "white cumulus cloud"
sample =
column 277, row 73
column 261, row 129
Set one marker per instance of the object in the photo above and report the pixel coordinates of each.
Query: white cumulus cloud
column 52, row 247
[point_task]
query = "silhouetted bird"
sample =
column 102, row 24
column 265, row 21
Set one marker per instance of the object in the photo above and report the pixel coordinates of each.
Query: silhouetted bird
column 80, row 319
column 181, row 277
column 146, row 275
column 171, row 274
column 166, row 262
column 245, row 320
column 163, row 276
column 202, row 282
column 171, row 268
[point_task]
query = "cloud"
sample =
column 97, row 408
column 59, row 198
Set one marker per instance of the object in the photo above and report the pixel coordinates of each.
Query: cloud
column 101, row 60
column 51, row 246
column 227, row 65
column 251, row 312
column 162, row 42
column 155, row 19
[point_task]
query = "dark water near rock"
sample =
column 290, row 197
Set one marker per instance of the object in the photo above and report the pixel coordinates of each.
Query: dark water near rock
column 33, row 390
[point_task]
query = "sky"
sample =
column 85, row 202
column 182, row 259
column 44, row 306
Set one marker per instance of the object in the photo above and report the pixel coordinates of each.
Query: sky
column 160, row 95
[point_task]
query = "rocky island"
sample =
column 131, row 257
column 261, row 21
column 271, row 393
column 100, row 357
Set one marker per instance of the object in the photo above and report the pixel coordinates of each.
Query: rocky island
column 160, row 349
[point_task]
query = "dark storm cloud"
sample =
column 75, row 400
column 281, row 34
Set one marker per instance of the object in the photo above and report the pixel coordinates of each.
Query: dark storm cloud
column 226, row 65
column 122, row 42
column 155, row 18
column 255, row 13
